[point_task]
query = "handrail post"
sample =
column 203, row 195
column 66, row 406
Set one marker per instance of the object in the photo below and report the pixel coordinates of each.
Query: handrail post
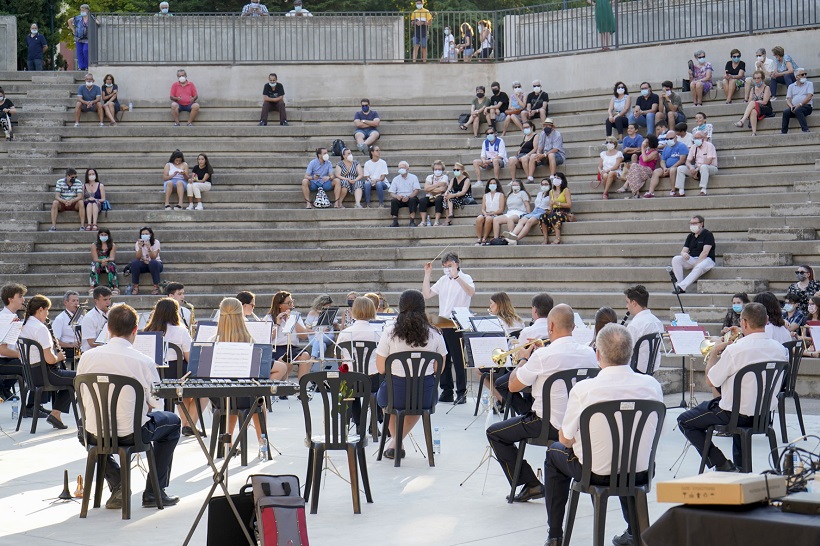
column 617, row 26
column 750, row 16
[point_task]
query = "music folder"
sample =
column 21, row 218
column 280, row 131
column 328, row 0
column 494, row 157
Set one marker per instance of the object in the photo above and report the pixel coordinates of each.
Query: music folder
column 686, row 340
column 480, row 346
column 230, row 360
column 151, row 345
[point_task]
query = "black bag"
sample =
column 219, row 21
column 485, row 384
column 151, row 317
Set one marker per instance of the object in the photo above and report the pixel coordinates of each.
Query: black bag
column 222, row 525
column 498, row 241
column 684, row 86
column 463, row 119
column 337, row 147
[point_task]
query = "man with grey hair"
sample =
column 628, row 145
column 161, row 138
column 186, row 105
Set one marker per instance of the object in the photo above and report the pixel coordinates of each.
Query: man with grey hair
column 63, row 328
column 616, row 381
column 404, row 190
column 89, row 99
column 538, row 103
column 701, row 163
column 79, row 27
column 164, row 10
column 766, row 64
column 36, row 45
column 184, row 98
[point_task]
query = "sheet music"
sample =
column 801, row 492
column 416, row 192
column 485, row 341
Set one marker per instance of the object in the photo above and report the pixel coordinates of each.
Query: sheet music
column 687, row 342
column 143, row 320
column 290, row 324
column 683, row 319
column 232, row 360
column 102, row 337
column 462, row 316
column 814, row 332
column 582, row 334
column 487, row 324
column 261, row 331
column 481, row 348
column 146, row 343
column 205, row 332
column 11, row 330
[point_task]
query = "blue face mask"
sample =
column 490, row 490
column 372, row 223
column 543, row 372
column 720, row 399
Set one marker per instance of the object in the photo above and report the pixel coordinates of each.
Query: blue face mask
column 735, row 59
column 644, row 92
column 737, row 307
column 365, row 109
column 491, row 137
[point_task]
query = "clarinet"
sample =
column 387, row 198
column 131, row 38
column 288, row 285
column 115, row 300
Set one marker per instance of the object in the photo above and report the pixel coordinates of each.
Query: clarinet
column 626, row 318
column 57, row 349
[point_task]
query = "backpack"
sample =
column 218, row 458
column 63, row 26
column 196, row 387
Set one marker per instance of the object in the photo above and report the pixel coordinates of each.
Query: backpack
column 321, row 201
column 498, row 241
column 280, row 510
column 337, row 147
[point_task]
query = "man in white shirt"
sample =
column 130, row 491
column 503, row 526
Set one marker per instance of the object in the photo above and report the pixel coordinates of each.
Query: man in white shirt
column 94, row 321
column 176, row 291
column 454, row 289
column 404, row 191
column 541, row 306
column 161, row 428
column 375, row 175
column 14, row 299
column 63, row 329
column 643, row 322
column 616, row 381
column 766, row 64
column 562, row 354
column 754, row 347
column 493, row 155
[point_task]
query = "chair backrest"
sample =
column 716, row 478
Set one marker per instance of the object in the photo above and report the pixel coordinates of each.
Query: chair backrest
column 177, row 365
column 569, row 378
column 795, row 349
column 653, row 343
column 415, row 365
column 102, row 391
column 361, row 352
column 35, row 375
column 626, row 436
column 336, row 404
column 768, row 378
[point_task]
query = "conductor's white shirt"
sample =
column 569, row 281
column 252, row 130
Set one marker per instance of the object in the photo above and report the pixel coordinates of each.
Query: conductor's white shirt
column 451, row 294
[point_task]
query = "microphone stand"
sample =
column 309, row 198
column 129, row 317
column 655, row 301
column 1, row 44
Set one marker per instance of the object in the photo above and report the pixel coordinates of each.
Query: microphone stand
column 683, row 358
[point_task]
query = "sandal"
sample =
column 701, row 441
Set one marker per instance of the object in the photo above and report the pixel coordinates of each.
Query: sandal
column 88, row 227
column 155, row 291
column 480, row 242
column 94, row 227
column 308, row 204
column 556, row 242
column 449, row 221
column 462, row 127
column 436, row 223
column 167, row 207
column 135, row 290
column 739, row 123
column 115, row 291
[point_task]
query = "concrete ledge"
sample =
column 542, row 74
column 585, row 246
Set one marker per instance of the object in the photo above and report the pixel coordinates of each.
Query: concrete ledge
column 732, row 286
column 757, row 259
column 782, row 234
column 796, row 209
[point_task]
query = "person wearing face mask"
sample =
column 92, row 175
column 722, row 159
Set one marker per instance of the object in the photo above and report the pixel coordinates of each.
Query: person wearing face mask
column 732, row 318
column 146, row 259
column 93, row 195
column 701, row 163
column 459, row 193
column 375, row 175
column 347, row 316
column 784, row 71
column 319, row 174
column 111, row 104
column 493, row 155
column 89, row 99
column 706, row 128
column 68, row 195
column 645, row 109
column 700, row 77
column 518, row 204
column 200, row 180
column 466, row 47
column 805, row 287
column 367, row 122
column 420, row 20
column 776, row 327
column 298, row 10
column 759, row 104
column 79, row 28
column 517, row 104
column 640, row 172
column 532, row 219
column 348, row 177
column 175, row 175
column 478, row 110
column 404, row 191
column 499, row 103
column 672, row 104
column 734, row 77
column 164, row 9
column 492, row 205
column 812, row 320
column 103, row 256
column 184, row 98
column 8, row 109
column 697, row 254
column 766, row 64
column 273, row 98
column 673, row 156
column 526, row 152
column 36, row 46
column 550, row 149
column 794, row 317
column 254, row 9
column 435, row 186
column 617, row 113
column 559, row 211
column 798, row 102
column 485, row 38
column 610, row 167
column 538, row 103
column 448, row 54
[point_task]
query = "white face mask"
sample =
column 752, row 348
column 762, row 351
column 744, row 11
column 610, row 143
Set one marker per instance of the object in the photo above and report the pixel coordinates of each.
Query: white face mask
column 517, row 89
column 182, row 79
column 536, row 88
column 402, row 171
column 698, row 141
column 621, row 90
column 694, row 228
column 419, row 5
column 92, row 177
column 556, row 182
column 760, row 57
column 527, row 130
column 145, row 236
column 610, row 146
column 456, row 173
column 103, row 238
column 644, row 92
column 89, row 84
column 788, row 307
column 669, row 92
column 493, row 187
column 446, row 31
column 803, row 80
column 437, row 172
column 34, row 32
column 325, row 157
column 516, row 189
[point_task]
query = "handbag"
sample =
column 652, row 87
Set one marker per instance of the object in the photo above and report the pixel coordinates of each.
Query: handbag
column 321, row 201
column 105, row 206
column 463, row 119
column 684, row 86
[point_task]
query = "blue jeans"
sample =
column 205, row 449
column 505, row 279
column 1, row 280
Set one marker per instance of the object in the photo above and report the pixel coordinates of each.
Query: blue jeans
column 326, row 185
column 34, row 64
column 380, row 187
column 82, row 56
column 644, row 120
column 138, row 267
column 315, row 348
column 786, row 80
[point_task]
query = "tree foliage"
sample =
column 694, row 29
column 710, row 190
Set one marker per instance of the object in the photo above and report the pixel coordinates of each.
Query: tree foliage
column 34, row 11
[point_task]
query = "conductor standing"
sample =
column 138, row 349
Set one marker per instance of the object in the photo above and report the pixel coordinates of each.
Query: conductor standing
column 454, row 289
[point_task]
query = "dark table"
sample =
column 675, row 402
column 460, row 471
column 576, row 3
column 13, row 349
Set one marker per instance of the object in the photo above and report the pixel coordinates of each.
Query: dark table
column 754, row 525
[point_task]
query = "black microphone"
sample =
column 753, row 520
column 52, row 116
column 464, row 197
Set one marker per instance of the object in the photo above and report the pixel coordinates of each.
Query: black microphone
column 626, row 317
column 671, row 274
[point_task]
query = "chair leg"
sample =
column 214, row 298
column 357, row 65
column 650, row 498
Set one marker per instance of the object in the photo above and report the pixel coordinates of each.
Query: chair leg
column 125, row 482
column 781, row 413
column 428, row 436
column 480, row 390
column 707, row 446
column 385, row 429
column 90, row 464
column 309, row 476
column 519, row 462
column 23, row 397
column 642, row 513
column 796, row 398
column 399, row 437
column 152, row 470
column 746, row 451
column 354, row 478
column 573, row 508
column 102, row 462
column 318, row 460
column 634, row 525
column 35, row 411
column 363, row 469
column 599, row 523
column 374, row 419
column 772, row 449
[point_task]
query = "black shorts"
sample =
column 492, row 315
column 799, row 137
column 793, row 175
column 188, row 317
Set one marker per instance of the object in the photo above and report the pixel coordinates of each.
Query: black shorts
column 283, row 353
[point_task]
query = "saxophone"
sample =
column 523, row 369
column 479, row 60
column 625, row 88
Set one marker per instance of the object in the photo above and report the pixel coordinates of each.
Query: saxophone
column 193, row 318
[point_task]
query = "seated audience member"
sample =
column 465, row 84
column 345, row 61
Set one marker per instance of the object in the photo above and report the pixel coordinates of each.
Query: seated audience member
column 643, row 322
column 110, row 102
column 776, row 327
column 284, row 343
column 404, row 191
column 93, row 322
column 682, row 130
column 161, row 428
column 202, row 176
column 499, row 104
column 701, row 163
column 661, row 128
column 673, row 156
column 146, row 259
column 562, row 354
column 375, row 176
column 273, row 98
column 163, row 10
column 646, row 108
column 564, row 462
column 538, row 103
column 703, row 127
column 493, row 155
column 14, row 300
column 35, row 328
column 319, row 174
column 8, row 109
column 466, row 47
column 610, row 167
column 792, row 314
column 640, row 172
column 759, row 103
column 175, row 175
column 617, row 115
column 632, row 143
column 672, row 105
column 89, row 99
column 560, row 208
column 732, row 318
column 518, row 204
column 766, row 65
column 784, row 70
column 526, row 152
column 411, row 331
column 348, row 177
column 459, row 193
column 184, row 98
column 298, row 10
column 36, row 46
column 68, row 195
column 550, row 149
column 813, row 314
column 798, row 102
column 698, row 254
column 435, row 186
column 492, row 205
column 103, row 256
column 725, row 362
column 367, row 122
column 700, row 77
column 518, row 101
column 734, row 75
column 478, row 110
column 532, row 219
column 254, row 9
column 805, row 287
column 93, row 197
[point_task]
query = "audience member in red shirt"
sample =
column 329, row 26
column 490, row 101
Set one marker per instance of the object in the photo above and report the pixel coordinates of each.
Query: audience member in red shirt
column 184, row 98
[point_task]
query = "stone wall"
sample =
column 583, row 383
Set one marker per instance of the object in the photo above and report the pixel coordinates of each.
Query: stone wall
column 8, row 43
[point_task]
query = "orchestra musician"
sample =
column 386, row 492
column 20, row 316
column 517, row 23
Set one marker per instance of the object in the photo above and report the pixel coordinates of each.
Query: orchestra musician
column 726, row 360
column 161, row 428
column 454, row 289
column 176, row 291
column 643, row 322
column 94, row 321
column 362, row 312
column 248, row 300
column 281, row 307
column 14, row 300
column 34, row 328
column 501, row 307
column 563, row 353
column 63, row 327
column 603, row 316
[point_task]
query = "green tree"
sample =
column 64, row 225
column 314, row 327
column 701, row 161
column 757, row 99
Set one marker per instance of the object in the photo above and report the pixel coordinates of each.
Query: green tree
column 42, row 12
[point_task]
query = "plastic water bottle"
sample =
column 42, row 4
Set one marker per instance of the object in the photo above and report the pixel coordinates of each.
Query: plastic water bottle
column 130, row 106
column 263, row 449
column 485, row 399
column 797, row 463
column 436, row 440
column 128, row 290
column 15, row 410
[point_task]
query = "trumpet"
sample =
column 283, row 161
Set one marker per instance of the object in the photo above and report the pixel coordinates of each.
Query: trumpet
column 500, row 357
column 708, row 345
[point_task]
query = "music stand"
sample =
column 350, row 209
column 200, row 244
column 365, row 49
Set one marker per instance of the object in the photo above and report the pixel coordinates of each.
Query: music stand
column 486, row 324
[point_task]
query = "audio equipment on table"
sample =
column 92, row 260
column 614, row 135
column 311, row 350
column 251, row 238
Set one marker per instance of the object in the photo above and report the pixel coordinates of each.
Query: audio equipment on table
column 708, row 345
column 626, row 318
column 500, row 357
column 223, row 388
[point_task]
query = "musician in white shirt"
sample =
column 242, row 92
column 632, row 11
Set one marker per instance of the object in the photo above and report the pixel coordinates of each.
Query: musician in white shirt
column 62, row 327
column 281, row 308
column 562, row 354
column 643, row 322
column 14, row 299
column 754, row 347
column 363, row 311
column 454, row 289
column 616, row 381
column 161, row 428
column 176, row 291
column 95, row 320
column 776, row 328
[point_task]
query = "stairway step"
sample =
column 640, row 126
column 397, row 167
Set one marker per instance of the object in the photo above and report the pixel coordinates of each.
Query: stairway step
column 757, row 259
column 782, row 234
column 732, row 286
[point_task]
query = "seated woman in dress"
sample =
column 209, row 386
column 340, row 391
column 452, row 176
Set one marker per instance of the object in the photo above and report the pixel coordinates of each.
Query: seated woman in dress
column 518, row 101
column 560, row 208
column 281, row 307
column 110, row 102
column 732, row 318
column 93, row 196
column 34, row 328
column 103, row 254
column 610, row 167
column 492, row 206
column 146, row 259
column 760, row 105
column 412, row 331
column 518, row 204
column 812, row 345
column 349, row 177
column 201, row 178
column 617, row 115
column 175, row 175
column 435, row 186
column 363, row 311
column 532, row 219
column 640, row 173
column 458, row 193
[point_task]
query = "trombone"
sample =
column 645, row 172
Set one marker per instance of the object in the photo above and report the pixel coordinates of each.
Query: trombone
column 500, row 357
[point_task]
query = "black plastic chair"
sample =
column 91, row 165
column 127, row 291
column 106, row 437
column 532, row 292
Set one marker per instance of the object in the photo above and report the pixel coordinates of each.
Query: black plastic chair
column 362, row 352
column 22, row 393
column 415, row 365
column 789, row 390
column 102, row 393
column 768, row 377
column 623, row 481
column 569, row 378
column 38, row 380
column 335, row 435
column 654, row 345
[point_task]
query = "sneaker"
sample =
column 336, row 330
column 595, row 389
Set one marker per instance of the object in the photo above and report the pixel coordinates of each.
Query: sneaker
column 510, row 235
column 52, row 228
column 283, row 123
column 648, row 195
column 624, row 539
column 412, row 223
column 395, row 223
column 199, row 206
column 102, row 124
column 190, row 206
column 262, row 123
column 362, row 148
column 76, row 124
column 511, row 241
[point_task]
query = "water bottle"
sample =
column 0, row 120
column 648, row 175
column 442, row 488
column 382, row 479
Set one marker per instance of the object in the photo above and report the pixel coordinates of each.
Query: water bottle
column 130, row 106
column 436, row 440
column 797, row 463
column 485, row 399
column 263, row 449
column 15, row 410
column 128, row 290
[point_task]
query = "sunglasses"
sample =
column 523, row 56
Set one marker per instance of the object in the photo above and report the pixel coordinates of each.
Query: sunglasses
column 801, row 272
